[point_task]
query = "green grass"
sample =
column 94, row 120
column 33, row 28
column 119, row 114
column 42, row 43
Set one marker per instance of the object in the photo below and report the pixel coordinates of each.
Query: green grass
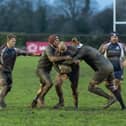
column 90, row 111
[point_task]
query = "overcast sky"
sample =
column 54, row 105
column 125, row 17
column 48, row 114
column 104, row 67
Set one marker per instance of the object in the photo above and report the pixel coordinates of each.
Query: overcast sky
column 101, row 3
column 104, row 3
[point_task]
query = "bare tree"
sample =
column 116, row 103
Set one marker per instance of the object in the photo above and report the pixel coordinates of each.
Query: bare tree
column 70, row 8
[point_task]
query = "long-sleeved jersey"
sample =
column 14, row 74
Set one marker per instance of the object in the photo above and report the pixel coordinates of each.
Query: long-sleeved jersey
column 93, row 58
column 8, row 57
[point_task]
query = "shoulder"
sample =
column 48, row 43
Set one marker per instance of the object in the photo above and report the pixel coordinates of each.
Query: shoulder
column 108, row 43
column 121, row 44
column 72, row 48
column 3, row 48
column 50, row 50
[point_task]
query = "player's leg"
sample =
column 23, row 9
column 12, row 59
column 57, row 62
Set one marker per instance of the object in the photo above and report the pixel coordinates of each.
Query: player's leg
column 110, row 101
column 115, row 91
column 118, row 77
column 59, row 92
column 5, row 83
column 74, row 78
column 117, row 83
column 36, row 99
column 46, row 86
column 93, row 85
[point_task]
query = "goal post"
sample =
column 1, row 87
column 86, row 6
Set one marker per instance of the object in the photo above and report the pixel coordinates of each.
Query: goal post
column 115, row 22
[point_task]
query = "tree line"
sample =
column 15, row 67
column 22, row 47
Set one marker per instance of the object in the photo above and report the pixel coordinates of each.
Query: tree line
column 63, row 16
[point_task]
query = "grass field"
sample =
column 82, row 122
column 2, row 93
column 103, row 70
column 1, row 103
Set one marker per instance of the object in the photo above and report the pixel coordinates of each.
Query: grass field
column 90, row 111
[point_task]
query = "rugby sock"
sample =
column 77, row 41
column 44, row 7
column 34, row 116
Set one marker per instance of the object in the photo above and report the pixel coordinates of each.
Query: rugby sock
column 59, row 94
column 75, row 97
column 119, row 98
column 100, row 92
column 117, row 94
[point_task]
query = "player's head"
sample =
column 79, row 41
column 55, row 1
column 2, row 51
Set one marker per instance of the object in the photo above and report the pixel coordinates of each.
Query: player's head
column 62, row 47
column 75, row 41
column 114, row 37
column 11, row 40
column 53, row 40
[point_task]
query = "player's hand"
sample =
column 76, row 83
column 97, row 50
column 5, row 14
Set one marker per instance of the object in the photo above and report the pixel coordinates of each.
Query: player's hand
column 76, row 61
column 104, row 48
column 124, row 64
column 68, row 58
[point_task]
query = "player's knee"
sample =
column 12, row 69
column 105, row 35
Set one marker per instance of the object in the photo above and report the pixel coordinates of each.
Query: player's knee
column 58, row 82
column 2, row 82
column 49, row 85
column 91, row 87
column 111, row 87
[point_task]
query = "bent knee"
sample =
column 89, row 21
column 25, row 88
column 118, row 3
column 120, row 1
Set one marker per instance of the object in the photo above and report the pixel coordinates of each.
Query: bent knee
column 111, row 87
column 3, row 82
column 49, row 85
column 92, row 86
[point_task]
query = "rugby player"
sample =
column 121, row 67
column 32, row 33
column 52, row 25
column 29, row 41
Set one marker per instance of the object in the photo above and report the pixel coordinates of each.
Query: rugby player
column 71, row 70
column 8, row 54
column 44, row 68
column 115, row 52
column 103, row 70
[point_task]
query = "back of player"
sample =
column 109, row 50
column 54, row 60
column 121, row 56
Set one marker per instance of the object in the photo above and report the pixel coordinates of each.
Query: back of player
column 103, row 70
column 97, row 61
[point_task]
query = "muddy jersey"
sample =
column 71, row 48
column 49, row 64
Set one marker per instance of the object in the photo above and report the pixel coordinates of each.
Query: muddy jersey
column 8, row 57
column 93, row 58
column 44, row 62
column 113, row 53
column 71, row 51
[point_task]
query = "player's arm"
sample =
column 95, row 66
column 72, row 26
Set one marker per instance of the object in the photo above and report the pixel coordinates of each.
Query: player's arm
column 56, row 67
column 79, row 56
column 67, row 62
column 124, row 48
column 124, row 63
column 102, row 49
column 72, row 50
column 53, row 58
column 0, row 63
column 23, row 52
column 59, row 58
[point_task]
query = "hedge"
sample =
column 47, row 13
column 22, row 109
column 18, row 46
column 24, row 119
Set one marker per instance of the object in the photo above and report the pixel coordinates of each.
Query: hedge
column 93, row 40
